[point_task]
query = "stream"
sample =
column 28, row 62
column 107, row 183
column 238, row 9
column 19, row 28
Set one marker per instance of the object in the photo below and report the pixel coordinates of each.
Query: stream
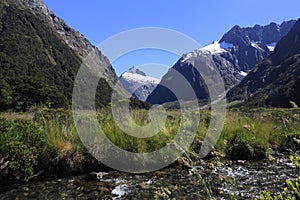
column 245, row 179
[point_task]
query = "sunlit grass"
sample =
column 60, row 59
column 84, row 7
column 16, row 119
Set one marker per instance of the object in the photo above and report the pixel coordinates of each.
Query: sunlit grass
column 267, row 127
column 52, row 133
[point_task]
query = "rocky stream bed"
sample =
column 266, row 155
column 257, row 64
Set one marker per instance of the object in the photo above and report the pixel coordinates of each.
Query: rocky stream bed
column 224, row 179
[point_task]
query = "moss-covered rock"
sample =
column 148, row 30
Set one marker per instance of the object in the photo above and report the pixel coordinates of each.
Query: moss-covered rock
column 240, row 149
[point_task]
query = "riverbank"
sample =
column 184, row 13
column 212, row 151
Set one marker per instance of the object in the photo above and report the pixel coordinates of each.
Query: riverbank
column 44, row 143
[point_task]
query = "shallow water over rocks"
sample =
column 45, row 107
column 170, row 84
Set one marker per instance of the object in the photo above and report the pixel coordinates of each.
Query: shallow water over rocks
column 246, row 179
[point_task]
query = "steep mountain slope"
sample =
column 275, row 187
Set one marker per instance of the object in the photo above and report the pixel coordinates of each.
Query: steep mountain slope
column 138, row 83
column 39, row 59
column 253, row 44
column 234, row 55
column 276, row 80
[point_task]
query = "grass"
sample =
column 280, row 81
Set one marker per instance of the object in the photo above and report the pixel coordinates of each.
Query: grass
column 270, row 128
column 60, row 131
column 52, row 133
column 130, row 143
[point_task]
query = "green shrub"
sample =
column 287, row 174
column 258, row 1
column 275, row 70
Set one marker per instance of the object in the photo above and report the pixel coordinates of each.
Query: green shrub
column 240, row 147
column 21, row 141
column 21, row 160
column 24, row 131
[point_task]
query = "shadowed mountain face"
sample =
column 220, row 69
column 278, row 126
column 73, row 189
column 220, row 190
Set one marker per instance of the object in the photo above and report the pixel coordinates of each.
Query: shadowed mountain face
column 276, row 80
column 255, row 43
column 39, row 57
column 234, row 56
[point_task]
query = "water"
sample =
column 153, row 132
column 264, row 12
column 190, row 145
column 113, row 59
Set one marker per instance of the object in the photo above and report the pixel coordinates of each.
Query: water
column 245, row 179
column 253, row 177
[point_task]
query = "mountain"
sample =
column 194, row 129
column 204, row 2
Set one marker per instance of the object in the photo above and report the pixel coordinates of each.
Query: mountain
column 234, row 55
column 276, row 80
column 40, row 56
column 253, row 44
column 137, row 83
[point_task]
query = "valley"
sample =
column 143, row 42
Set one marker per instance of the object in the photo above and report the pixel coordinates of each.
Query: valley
column 235, row 135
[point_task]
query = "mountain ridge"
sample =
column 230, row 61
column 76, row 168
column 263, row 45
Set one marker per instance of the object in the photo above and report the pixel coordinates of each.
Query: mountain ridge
column 276, row 80
column 74, row 39
column 234, row 56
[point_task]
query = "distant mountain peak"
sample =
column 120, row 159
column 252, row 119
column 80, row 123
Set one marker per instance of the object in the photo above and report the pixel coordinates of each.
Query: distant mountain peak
column 236, row 28
column 135, row 70
column 138, row 84
column 267, row 34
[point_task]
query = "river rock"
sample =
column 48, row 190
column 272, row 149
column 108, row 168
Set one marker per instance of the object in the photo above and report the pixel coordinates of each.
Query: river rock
column 217, row 154
column 271, row 158
column 95, row 176
column 144, row 185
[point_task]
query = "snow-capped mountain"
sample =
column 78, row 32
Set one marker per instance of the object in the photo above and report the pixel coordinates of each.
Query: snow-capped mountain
column 276, row 80
column 217, row 47
column 235, row 54
column 138, row 84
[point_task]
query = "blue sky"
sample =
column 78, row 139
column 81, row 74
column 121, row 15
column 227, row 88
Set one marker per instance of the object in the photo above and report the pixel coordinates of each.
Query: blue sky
column 204, row 21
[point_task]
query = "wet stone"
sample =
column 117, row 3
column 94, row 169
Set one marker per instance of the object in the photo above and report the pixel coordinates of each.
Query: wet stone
column 26, row 189
column 170, row 183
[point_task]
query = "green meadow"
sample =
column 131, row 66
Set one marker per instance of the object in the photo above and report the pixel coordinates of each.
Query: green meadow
column 45, row 138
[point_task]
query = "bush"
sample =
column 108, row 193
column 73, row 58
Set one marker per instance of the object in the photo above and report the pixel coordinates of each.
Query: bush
column 21, row 141
column 21, row 160
column 241, row 148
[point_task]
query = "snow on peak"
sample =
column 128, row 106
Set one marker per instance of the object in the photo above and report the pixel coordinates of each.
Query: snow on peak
column 187, row 56
column 271, row 46
column 255, row 44
column 134, row 70
column 138, row 83
column 136, row 77
column 243, row 73
column 217, row 47
column 213, row 48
